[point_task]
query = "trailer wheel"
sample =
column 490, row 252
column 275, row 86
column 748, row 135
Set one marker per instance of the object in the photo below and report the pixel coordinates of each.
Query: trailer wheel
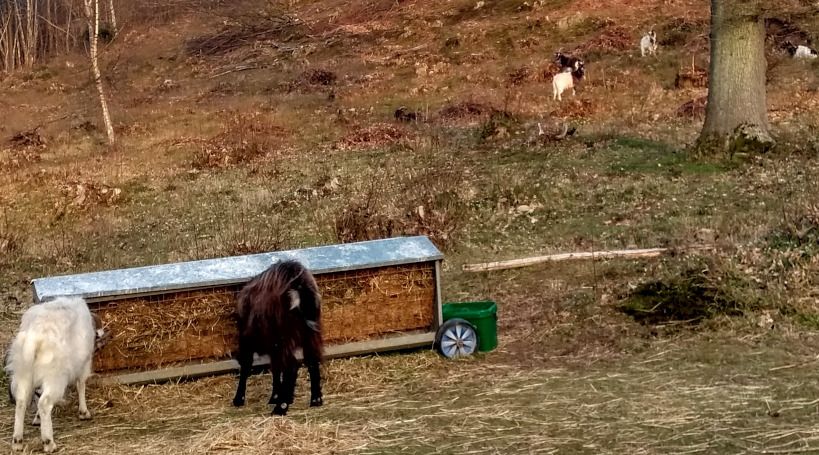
column 456, row 338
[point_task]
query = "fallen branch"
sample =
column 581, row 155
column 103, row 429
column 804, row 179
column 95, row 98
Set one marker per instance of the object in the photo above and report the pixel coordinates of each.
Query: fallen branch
column 235, row 69
column 524, row 262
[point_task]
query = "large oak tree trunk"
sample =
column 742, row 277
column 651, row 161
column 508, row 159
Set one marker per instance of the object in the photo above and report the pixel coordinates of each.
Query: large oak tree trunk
column 736, row 117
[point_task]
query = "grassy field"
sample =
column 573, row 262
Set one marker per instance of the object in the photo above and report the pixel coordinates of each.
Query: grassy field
column 259, row 126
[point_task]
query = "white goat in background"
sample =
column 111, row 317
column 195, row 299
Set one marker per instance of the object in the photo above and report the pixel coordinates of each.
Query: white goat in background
column 53, row 347
column 560, row 83
column 800, row 51
column 648, row 43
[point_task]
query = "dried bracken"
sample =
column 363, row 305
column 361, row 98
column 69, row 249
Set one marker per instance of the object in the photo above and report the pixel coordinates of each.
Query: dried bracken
column 372, row 136
column 694, row 108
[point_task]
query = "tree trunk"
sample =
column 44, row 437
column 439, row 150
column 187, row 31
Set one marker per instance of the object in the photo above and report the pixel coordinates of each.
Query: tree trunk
column 93, row 21
column 113, row 17
column 30, row 40
column 736, row 118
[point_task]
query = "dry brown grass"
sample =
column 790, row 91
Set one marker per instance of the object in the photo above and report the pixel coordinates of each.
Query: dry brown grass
column 571, row 374
column 678, row 396
column 373, row 136
column 246, row 137
column 264, row 435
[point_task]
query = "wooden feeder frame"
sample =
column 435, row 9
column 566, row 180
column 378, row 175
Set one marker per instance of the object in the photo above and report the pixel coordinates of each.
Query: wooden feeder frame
column 142, row 287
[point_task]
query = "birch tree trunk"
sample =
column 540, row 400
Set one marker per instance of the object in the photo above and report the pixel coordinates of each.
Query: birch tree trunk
column 113, row 13
column 736, row 117
column 93, row 21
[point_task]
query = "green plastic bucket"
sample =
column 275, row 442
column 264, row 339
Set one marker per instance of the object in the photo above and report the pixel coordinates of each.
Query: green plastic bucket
column 483, row 315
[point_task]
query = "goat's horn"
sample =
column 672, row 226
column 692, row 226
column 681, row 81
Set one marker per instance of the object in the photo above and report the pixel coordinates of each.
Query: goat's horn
column 565, row 131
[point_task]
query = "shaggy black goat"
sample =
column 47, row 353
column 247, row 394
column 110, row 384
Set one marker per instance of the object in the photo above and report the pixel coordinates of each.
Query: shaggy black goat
column 279, row 311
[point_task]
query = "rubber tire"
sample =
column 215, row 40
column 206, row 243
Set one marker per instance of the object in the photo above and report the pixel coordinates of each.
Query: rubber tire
column 449, row 325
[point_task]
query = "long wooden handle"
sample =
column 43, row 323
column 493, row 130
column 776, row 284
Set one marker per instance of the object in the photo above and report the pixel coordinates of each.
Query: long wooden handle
column 523, row 262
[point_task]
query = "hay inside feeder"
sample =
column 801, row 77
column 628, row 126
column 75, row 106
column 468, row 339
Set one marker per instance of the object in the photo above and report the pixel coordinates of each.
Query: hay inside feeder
column 178, row 327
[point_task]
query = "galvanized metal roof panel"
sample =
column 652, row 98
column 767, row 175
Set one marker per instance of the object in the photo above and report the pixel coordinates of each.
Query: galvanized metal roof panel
column 236, row 269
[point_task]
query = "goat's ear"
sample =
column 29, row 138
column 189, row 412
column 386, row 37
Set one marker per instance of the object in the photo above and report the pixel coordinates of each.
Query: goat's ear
column 101, row 338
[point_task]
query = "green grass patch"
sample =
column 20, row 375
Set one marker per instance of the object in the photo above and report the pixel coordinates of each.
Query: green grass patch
column 636, row 155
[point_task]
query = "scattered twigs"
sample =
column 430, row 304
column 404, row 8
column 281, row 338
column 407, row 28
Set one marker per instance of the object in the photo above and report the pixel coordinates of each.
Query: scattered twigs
column 235, row 69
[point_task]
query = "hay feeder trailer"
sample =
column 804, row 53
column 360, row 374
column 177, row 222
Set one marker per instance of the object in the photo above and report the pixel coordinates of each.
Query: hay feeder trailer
column 176, row 320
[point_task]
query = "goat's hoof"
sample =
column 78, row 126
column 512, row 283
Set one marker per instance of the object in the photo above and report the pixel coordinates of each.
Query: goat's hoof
column 315, row 402
column 85, row 415
column 16, row 444
column 280, row 409
column 238, row 402
column 49, row 446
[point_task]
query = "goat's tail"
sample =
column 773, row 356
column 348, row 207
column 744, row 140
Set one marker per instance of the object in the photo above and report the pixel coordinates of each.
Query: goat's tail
column 310, row 306
column 20, row 364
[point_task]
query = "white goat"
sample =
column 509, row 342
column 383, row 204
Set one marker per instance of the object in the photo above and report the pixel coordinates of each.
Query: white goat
column 805, row 52
column 648, row 43
column 561, row 82
column 52, row 348
column 800, row 51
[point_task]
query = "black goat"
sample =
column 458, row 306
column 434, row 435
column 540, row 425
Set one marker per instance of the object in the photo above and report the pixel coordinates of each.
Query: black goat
column 570, row 63
column 279, row 311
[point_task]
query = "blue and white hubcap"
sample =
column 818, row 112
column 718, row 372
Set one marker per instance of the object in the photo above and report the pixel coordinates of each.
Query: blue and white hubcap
column 459, row 340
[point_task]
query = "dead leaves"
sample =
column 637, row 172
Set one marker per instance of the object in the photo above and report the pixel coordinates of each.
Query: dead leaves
column 79, row 196
column 372, row 136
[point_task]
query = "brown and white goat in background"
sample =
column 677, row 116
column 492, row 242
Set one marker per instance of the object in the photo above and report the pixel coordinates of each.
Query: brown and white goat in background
column 648, row 43
column 564, row 80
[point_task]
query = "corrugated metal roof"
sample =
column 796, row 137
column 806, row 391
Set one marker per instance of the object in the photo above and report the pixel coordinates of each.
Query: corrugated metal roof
column 236, row 269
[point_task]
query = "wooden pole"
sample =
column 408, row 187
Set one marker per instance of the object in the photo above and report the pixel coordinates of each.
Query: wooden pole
column 524, row 262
